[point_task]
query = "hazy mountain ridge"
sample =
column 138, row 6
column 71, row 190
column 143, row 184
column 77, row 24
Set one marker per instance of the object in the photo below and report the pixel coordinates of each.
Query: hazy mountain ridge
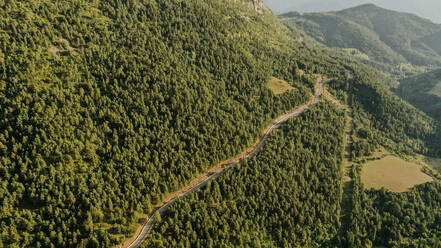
column 390, row 38
column 428, row 9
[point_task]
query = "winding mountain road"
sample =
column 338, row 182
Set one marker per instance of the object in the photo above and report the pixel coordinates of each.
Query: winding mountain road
column 218, row 170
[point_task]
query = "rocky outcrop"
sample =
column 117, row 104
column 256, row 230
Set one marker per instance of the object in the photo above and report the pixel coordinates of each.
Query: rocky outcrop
column 257, row 5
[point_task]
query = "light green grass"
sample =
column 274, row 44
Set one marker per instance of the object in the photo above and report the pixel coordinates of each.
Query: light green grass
column 393, row 173
column 278, row 86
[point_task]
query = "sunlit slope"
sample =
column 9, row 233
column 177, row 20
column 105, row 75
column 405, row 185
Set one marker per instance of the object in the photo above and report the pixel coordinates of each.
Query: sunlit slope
column 391, row 39
column 106, row 106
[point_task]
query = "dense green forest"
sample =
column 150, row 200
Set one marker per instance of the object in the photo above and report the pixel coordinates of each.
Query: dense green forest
column 398, row 43
column 236, row 212
column 381, row 118
column 423, row 91
column 384, row 218
column 234, row 207
column 108, row 106
column 287, row 196
column 151, row 93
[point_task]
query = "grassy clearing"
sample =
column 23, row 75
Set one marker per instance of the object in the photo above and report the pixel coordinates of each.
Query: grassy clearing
column 393, row 173
column 278, row 86
column 61, row 46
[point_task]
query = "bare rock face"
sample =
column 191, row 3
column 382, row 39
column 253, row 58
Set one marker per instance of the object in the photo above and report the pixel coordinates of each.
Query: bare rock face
column 257, row 5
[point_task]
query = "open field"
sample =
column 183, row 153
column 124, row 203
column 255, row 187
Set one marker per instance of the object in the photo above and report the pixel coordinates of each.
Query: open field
column 278, row 86
column 393, row 173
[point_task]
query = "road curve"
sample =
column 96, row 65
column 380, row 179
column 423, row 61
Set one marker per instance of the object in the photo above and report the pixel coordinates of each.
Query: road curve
column 148, row 225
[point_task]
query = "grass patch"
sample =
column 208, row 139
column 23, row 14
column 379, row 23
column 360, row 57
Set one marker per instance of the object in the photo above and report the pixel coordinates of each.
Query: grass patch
column 278, row 86
column 393, row 173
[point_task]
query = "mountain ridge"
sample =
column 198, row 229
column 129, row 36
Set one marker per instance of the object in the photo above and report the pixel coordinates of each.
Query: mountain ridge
column 428, row 9
column 391, row 39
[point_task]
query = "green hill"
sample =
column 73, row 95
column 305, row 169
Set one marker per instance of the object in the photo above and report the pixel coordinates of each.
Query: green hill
column 390, row 39
column 109, row 106
column 433, row 41
column 291, row 194
column 423, row 91
column 258, row 204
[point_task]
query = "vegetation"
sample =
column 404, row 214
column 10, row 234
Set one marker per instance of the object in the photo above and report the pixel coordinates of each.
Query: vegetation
column 399, row 43
column 233, row 206
column 381, row 118
column 384, row 218
column 278, row 86
column 423, row 91
column 434, row 163
column 108, row 106
column 393, row 173
column 288, row 196
column 138, row 97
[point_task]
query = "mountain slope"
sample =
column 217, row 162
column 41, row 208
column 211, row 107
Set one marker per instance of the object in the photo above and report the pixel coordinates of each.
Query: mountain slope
column 428, row 8
column 423, row 91
column 254, row 206
column 108, row 106
column 433, row 42
column 390, row 39
column 290, row 194
column 267, row 201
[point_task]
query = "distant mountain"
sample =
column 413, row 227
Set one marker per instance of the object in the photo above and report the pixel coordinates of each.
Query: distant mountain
column 384, row 37
column 424, row 92
column 425, row 8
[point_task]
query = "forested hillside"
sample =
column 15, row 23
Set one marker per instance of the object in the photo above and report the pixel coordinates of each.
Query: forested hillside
column 381, row 118
column 398, row 220
column 288, row 196
column 396, row 42
column 246, row 215
column 423, row 91
column 108, row 106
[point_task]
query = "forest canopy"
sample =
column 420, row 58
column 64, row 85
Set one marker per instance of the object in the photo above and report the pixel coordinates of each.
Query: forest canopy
column 108, row 106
